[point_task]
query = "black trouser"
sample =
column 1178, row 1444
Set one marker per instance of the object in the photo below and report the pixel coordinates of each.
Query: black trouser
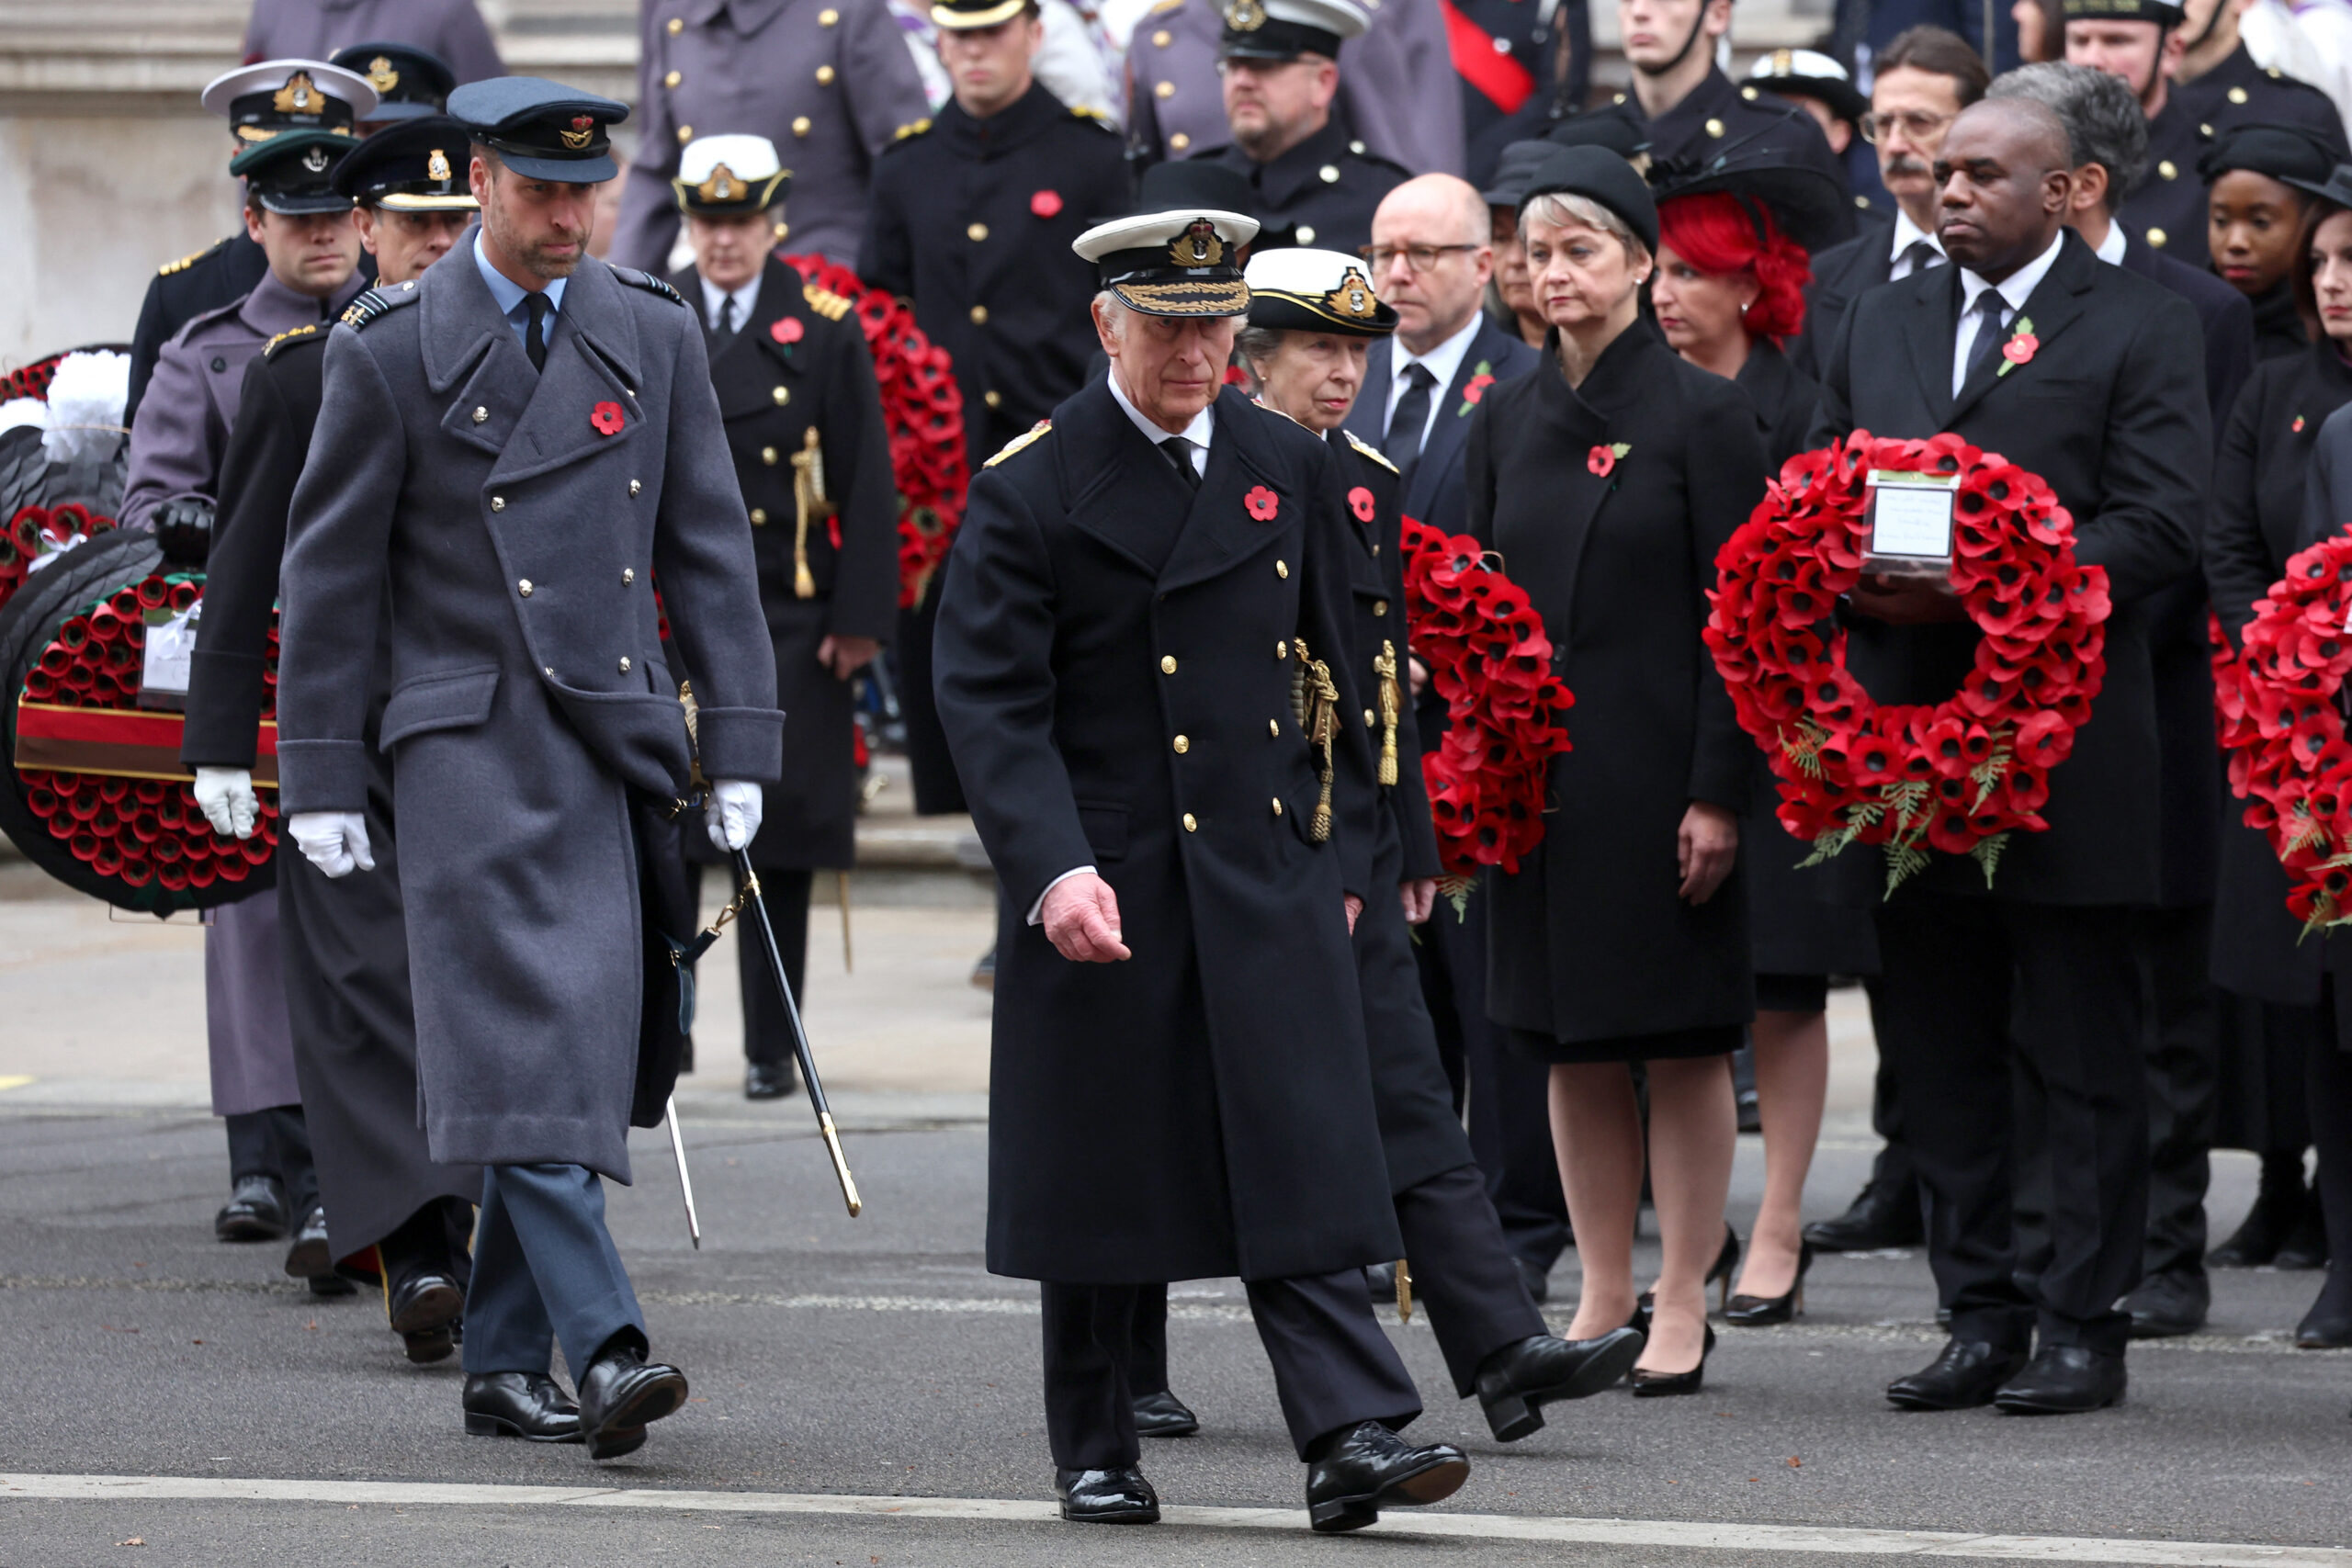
column 2327, row 1068
column 1893, row 1166
column 2184, row 1046
column 1333, row 1367
column 767, row 1034
column 1971, row 987
column 275, row 1142
column 437, row 1239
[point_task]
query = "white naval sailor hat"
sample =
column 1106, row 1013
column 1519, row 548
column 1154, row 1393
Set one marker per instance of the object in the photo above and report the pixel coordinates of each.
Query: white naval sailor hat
column 735, row 173
column 1299, row 290
column 261, row 100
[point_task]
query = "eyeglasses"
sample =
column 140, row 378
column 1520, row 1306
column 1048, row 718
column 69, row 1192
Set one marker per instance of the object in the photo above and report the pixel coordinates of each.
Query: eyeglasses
column 1916, row 125
column 1417, row 258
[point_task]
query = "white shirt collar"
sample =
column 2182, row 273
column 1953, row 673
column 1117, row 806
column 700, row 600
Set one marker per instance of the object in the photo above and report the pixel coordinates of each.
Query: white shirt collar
column 1445, row 361
column 1907, row 233
column 2015, row 289
column 2110, row 249
column 1198, row 432
column 745, row 298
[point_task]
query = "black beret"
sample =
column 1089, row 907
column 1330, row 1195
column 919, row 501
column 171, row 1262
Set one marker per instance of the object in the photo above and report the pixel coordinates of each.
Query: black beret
column 2286, row 153
column 1601, row 176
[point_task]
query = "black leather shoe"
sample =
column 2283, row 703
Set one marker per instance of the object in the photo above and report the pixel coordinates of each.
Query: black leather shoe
column 1516, row 1381
column 769, row 1080
column 519, row 1405
column 1968, row 1373
column 1119, row 1496
column 255, row 1211
column 1537, row 1281
column 1371, row 1468
column 2327, row 1326
column 1162, row 1415
column 310, row 1257
column 427, row 1346
column 621, row 1394
column 2168, row 1304
column 2064, row 1379
column 330, row 1284
column 2278, row 1204
column 1658, row 1386
column 423, row 1312
column 1883, row 1216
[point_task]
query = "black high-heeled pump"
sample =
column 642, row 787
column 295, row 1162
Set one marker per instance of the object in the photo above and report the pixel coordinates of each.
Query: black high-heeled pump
column 1718, row 1275
column 1763, row 1312
column 1658, row 1385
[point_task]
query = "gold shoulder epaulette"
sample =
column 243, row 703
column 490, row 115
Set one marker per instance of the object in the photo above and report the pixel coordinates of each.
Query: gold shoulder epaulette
column 1033, row 433
column 1164, row 7
column 913, row 127
column 309, row 329
column 188, row 260
column 825, row 302
column 1374, row 453
column 1089, row 112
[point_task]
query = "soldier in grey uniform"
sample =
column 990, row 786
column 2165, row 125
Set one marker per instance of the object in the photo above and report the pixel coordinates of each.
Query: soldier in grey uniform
column 523, row 440
column 453, row 29
column 1398, row 96
column 304, row 227
column 830, row 81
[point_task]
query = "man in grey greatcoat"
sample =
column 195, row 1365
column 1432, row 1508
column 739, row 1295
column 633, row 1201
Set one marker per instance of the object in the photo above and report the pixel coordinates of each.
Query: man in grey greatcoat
column 452, row 30
column 523, row 439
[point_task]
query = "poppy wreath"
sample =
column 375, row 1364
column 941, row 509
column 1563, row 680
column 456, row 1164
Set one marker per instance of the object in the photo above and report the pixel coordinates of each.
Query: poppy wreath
column 2280, row 721
column 1489, row 659
column 923, row 412
column 38, row 531
column 1959, row 775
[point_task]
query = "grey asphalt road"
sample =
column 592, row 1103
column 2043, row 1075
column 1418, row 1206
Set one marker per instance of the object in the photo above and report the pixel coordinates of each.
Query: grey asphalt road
column 877, row 1359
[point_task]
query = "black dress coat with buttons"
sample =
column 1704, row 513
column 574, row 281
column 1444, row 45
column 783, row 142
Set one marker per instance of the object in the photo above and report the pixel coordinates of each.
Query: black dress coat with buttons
column 1590, row 940
column 1114, row 675
column 1322, row 192
column 2167, row 206
column 826, row 382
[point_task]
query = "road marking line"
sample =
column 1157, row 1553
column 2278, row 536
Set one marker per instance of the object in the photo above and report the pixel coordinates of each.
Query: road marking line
column 15, row 1080
column 1666, row 1533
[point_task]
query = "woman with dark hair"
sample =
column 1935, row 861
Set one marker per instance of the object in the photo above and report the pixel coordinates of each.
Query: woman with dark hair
column 2280, row 1045
column 1732, row 274
column 2257, row 188
column 1606, row 481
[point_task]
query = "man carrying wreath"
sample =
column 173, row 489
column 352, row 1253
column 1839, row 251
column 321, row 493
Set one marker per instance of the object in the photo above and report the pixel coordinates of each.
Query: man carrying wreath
column 2091, row 377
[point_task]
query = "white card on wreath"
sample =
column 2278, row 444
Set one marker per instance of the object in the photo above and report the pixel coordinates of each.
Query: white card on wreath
column 1910, row 519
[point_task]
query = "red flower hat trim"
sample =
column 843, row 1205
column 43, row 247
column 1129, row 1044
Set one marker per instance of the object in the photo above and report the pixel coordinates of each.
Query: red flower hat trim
column 1263, row 503
column 1360, row 502
column 608, row 418
column 787, row 330
column 1046, row 204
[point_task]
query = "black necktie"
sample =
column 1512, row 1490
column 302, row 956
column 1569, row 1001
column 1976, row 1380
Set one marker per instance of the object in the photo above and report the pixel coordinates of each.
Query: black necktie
column 1989, row 307
column 726, row 317
column 1403, row 444
column 1920, row 255
column 1179, row 452
column 535, row 332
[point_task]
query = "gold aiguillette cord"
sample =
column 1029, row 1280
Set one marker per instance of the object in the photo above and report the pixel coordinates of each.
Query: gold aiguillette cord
column 808, row 500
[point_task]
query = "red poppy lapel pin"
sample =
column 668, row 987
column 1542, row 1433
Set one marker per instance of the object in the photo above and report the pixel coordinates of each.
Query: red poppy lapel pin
column 1360, row 502
column 1047, row 203
column 787, row 330
column 2298, row 426
column 1602, row 461
column 1263, row 503
column 606, row 418
column 2020, row 348
column 1482, row 378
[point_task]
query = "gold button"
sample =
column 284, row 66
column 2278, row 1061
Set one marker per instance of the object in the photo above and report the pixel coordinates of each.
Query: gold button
column 1306, row 234
column 1192, row 825
column 1357, row 147
column 1275, row 729
column 828, row 16
column 759, row 516
column 1179, row 141
column 1282, row 568
column 1375, row 549
column 993, row 398
column 2156, row 239
column 481, row 415
column 2166, row 169
column 2237, row 94
column 1160, row 39
column 1183, row 744
column 1164, row 90
column 824, row 75
column 977, row 232
column 673, row 79
column 1747, row 93
column 1167, row 664
column 1328, row 173
column 767, row 455
column 629, row 575
column 800, row 124
column 635, row 486
column 524, row 588
column 1278, row 806
column 624, row 663
column 2206, row 131
column 549, row 670
column 979, row 315
column 1369, row 721
column 685, row 134
column 676, row 27
column 498, row 503
column 782, row 395
column 1281, row 651
column 1380, row 607
column 1714, row 127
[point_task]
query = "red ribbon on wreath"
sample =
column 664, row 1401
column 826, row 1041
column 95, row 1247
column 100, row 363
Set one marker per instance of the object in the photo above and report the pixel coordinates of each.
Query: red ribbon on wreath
column 1489, row 658
column 1959, row 775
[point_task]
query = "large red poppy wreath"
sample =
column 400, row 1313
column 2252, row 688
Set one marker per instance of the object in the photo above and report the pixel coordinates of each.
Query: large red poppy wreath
column 1959, row 776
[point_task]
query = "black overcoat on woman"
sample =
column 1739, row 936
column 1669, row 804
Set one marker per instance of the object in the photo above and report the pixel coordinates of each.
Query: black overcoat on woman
column 1589, row 942
column 2278, row 330
column 1802, row 929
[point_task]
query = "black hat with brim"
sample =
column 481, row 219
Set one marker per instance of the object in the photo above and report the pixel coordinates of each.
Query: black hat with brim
column 1306, row 290
column 1284, row 29
column 410, row 82
column 292, row 173
column 966, row 16
column 2286, row 153
column 412, row 165
column 541, row 130
column 1805, row 202
column 2337, row 189
column 1603, row 176
column 1517, row 165
column 2160, row 12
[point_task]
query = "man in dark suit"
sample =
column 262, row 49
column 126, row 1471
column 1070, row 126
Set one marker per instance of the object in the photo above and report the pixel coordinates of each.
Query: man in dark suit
column 2042, row 972
column 2110, row 140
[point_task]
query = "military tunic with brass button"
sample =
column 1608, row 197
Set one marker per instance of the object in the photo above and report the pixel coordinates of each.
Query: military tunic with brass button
column 313, row 30
column 1718, row 118
column 518, row 519
column 1322, row 192
column 830, row 81
column 784, row 402
column 2167, row 206
column 1116, row 668
column 181, row 290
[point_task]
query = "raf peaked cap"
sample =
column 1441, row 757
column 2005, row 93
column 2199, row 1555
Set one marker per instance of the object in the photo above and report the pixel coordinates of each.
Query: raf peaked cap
column 1181, row 255
column 1284, row 29
column 411, row 166
column 544, row 130
column 729, row 175
column 1806, row 74
column 260, row 101
column 2161, row 12
column 1297, row 289
column 1600, row 176
column 962, row 16
column 410, row 82
column 292, row 172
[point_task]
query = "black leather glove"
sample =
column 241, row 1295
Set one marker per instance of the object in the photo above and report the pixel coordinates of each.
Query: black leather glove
column 184, row 527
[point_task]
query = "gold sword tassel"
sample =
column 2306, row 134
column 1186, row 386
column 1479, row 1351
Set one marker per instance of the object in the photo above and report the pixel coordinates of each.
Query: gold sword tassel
column 808, row 500
column 1403, row 1291
column 1390, row 706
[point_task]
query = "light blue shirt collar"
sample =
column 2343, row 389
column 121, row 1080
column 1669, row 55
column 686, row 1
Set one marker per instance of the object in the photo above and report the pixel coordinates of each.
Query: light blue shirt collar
column 509, row 293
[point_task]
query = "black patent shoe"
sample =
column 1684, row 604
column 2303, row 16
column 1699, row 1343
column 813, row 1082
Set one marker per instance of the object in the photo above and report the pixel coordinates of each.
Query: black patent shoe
column 1719, row 1275
column 1516, row 1381
column 1660, row 1385
column 1884, row 1215
column 1967, row 1373
column 519, row 1405
column 423, row 1311
column 2064, row 1379
column 1162, row 1415
column 621, row 1395
column 1371, row 1468
column 255, row 1212
column 1119, row 1496
column 769, row 1080
column 2170, row 1304
column 311, row 1256
column 1763, row 1312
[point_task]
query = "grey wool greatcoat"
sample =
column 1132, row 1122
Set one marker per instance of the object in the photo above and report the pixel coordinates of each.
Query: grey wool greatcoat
column 1590, row 940
column 1115, row 677
column 520, row 531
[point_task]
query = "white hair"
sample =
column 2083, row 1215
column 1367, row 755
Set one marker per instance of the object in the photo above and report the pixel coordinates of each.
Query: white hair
column 1558, row 209
column 1119, row 311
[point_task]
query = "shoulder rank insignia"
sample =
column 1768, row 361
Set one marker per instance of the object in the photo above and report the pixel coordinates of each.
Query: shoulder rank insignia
column 649, row 282
column 1091, row 115
column 911, row 129
column 188, row 260
column 307, row 330
column 825, row 302
column 375, row 303
column 1035, row 433
column 1374, row 453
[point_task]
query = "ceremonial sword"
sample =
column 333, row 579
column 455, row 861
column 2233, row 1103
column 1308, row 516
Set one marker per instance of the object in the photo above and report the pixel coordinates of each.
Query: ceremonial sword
column 749, row 885
column 685, row 1182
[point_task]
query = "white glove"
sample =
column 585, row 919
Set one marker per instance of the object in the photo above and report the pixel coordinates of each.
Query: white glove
column 733, row 814
column 227, row 797
column 335, row 842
